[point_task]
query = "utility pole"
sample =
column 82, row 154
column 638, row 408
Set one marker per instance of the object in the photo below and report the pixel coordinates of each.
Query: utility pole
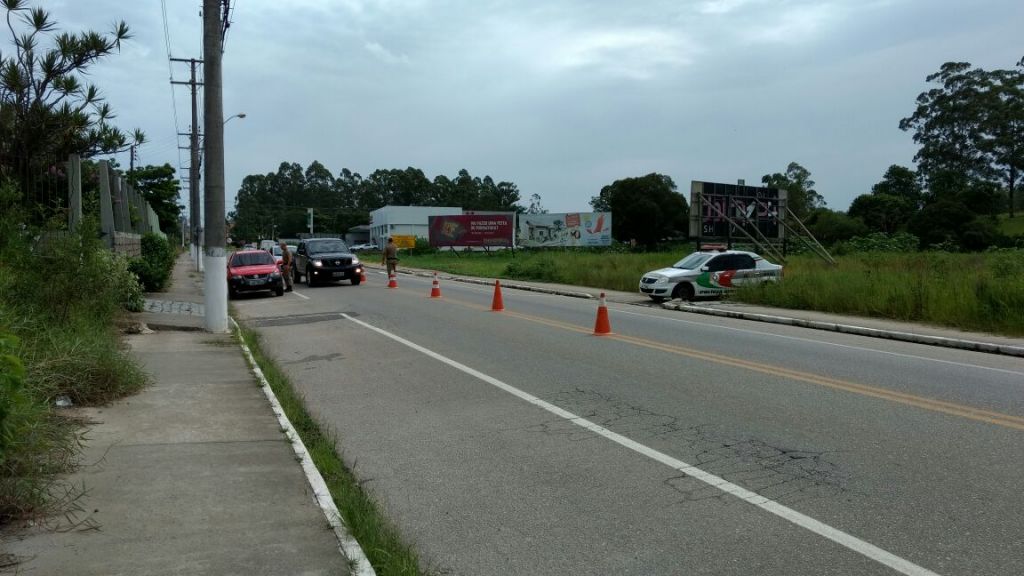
column 193, row 169
column 215, row 288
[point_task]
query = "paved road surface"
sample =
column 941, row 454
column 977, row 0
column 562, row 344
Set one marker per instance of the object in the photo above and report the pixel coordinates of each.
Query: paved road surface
column 518, row 443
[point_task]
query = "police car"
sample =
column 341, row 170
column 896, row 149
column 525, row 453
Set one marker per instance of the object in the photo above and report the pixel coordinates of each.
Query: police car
column 708, row 273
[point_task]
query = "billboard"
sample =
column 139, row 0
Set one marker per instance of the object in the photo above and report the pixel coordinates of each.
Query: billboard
column 471, row 230
column 754, row 209
column 404, row 240
column 571, row 229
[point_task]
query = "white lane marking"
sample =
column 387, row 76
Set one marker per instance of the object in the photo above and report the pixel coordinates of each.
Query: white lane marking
column 321, row 494
column 834, row 534
column 822, row 342
column 303, row 296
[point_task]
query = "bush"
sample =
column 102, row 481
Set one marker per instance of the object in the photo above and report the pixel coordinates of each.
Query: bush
column 422, row 248
column 879, row 242
column 154, row 267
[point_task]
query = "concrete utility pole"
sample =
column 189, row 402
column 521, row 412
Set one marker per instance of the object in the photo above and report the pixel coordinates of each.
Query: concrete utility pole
column 215, row 287
column 193, row 169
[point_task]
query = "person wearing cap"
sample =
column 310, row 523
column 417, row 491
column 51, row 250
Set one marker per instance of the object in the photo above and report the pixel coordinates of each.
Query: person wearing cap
column 390, row 256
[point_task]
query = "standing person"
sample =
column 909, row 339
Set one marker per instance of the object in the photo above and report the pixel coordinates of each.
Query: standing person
column 390, row 256
column 286, row 266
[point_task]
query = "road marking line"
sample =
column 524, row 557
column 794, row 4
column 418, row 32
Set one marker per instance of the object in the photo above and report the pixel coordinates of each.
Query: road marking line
column 303, row 296
column 834, row 534
column 813, row 341
column 951, row 408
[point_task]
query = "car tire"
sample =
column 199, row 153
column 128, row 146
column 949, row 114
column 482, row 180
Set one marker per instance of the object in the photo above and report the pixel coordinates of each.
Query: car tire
column 683, row 291
column 232, row 294
column 356, row 280
column 309, row 278
column 279, row 291
column 296, row 277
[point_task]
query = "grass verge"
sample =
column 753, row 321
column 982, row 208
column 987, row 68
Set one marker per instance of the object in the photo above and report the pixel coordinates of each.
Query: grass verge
column 379, row 539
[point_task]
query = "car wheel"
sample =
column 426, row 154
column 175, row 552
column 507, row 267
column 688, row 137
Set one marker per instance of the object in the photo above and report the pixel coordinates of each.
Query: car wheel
column 279, row 291
column 296, row 277
column 356, row 280
column 232, row 294
column 309, row 277
column 683, row 291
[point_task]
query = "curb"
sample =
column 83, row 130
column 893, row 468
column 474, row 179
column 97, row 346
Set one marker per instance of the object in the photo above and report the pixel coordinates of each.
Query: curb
column 942, row 341
column 321, row 494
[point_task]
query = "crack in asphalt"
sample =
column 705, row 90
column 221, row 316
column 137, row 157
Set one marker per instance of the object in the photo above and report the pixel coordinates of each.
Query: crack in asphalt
column 783, row 474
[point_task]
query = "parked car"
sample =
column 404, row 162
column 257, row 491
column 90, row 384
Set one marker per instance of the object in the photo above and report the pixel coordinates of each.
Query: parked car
column 322, row 260
column 252, row 271
column 278, row 254
column 708, row 274
column 365, row 247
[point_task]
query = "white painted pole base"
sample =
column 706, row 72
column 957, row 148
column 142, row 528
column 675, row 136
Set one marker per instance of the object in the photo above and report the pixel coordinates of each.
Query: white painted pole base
column 215, row 292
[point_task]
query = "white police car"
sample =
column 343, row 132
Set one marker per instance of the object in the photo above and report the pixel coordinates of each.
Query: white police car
column 708, row 274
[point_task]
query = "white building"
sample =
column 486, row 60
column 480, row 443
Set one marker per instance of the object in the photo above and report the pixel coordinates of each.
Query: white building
column 405, row 221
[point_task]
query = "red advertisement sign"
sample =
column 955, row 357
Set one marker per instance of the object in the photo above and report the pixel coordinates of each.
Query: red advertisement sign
column 471, row 230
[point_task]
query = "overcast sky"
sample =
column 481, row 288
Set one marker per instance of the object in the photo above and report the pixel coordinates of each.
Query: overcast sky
column 560, row 97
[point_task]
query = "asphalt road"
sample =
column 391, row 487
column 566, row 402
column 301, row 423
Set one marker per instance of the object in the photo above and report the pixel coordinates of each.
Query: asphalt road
column 517, row 442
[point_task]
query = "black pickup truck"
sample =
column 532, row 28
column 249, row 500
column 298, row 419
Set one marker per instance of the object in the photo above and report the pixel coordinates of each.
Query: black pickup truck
column 323, row 260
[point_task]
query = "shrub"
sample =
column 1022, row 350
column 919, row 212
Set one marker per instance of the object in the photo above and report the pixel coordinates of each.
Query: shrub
column 154, row 267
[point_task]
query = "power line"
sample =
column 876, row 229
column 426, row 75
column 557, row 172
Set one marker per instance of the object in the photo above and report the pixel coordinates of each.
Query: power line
column 170, row 71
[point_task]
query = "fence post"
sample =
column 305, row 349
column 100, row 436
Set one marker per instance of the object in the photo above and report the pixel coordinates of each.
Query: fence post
column 106, row 205
column 74, row 175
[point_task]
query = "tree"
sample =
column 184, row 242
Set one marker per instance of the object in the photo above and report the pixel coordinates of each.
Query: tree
column 646, row 209
column 829, row 226
column 951, row 221
column 159, row 187
column 46, row 112
column 535, row 205
column 970, row 129
column 800, row 193
column 892, row 202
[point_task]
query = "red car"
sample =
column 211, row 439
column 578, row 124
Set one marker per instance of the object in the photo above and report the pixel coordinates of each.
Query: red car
column 253, row 271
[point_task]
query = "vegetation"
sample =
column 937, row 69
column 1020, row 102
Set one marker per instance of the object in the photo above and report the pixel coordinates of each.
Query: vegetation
column 159, row 187
column 154, row 267
column 276, row 204
column 46, row 112
column 378, row 538
column 61, row 295
column 646, row 209
column 983, row 292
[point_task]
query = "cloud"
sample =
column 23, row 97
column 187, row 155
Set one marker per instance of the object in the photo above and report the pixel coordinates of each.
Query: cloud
column 385, row 55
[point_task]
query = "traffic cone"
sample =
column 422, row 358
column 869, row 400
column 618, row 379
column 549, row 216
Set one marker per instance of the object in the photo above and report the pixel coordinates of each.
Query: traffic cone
column 435, row 290
column 602, row 326
column 362, row 276
column 392, row 283
column 497, row 304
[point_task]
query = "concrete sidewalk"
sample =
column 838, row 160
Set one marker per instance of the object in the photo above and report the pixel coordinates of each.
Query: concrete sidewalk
column 191, row 476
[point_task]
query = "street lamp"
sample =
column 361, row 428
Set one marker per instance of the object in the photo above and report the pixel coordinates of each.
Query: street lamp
column 239, row 115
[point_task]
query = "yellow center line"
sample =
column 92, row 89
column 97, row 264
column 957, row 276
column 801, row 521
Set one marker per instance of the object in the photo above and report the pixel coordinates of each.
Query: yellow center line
column 951, row 408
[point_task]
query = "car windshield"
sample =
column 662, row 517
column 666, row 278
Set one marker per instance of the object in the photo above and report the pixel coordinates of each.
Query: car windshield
column 326, row 246
column 693, row 261
column 276, row 250
column 252, row 259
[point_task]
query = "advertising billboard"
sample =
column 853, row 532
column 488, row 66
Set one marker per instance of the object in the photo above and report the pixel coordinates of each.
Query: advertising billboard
column 571, row 229
column 755, row 210
column 471, row 230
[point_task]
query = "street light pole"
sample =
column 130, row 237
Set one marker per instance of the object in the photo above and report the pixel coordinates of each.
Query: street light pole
column 215, row 287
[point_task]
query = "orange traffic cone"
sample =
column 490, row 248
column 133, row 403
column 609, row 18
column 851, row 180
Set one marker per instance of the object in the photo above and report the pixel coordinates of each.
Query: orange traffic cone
column 497, row 304
column 392, row 283
column 602, row 326
column 435, row 290
column 362, row 276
